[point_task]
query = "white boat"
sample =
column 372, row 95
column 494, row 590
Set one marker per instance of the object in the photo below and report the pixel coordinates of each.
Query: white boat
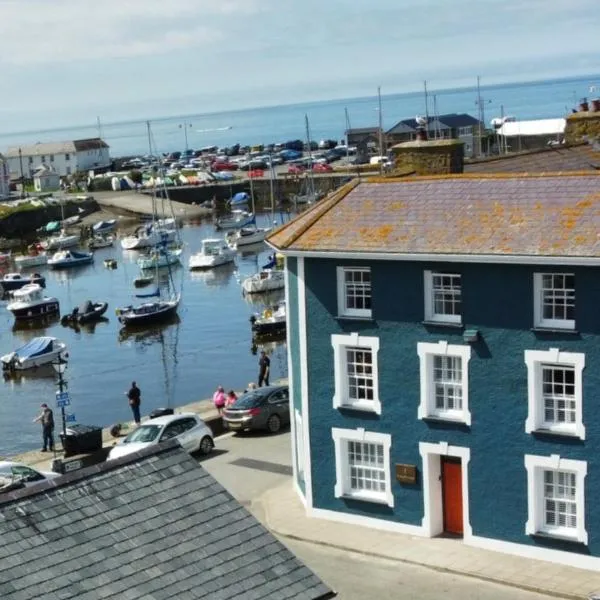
column 272, row 321
column 71, row 221
column 237, row 219
column 214, row 252
column 35, row 353
column 159, row 258
column 104, row 226
column 149, row 312
column 64, row 259
column 148, row 236
column 101, row 241
column 34, row 260
column 61, row 241
column 29, row 303
column 264, row 281
column 247, row 236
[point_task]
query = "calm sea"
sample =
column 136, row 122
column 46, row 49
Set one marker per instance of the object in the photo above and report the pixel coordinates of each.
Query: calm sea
column 209, row 344
column 534, row 100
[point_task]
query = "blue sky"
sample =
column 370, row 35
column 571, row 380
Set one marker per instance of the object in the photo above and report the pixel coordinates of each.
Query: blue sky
column 63, row 62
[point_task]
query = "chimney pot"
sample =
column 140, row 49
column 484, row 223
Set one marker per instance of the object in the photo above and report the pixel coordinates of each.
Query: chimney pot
column 583, row 105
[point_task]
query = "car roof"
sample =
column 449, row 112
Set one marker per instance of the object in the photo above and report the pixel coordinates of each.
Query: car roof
column 10, row 463
column 166, row 419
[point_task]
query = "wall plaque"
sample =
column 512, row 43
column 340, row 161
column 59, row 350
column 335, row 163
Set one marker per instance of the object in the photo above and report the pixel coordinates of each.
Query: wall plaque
column 406, row 473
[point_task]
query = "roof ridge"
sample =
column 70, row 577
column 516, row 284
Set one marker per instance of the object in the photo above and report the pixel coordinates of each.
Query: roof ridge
column 546, row 175
column 319, row 209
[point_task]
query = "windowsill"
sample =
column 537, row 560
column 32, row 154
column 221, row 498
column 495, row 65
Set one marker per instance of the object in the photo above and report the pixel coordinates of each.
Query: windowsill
column 440, row 419
column 448, row 324
column 557, row 536
column 369, row 406
column 365, row 498
column 354, row 318
column 539, row 329
column 556, row 432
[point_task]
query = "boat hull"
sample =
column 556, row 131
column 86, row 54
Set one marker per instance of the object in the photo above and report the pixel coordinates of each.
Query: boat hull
column 12, row 285
column 31, row 261
column 257, row 285
column 69, row 241
column 210, row 262
column 37, row 311
column 133, row 242
column 164, row 261
column 33, row 362
column 70, row 263
column 135, row 318
column 268, row 327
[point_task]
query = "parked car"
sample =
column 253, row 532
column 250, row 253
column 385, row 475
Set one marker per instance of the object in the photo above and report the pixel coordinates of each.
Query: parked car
column 221, row 165
column 14, row 473
column 188, row 429
column 322, row 168
column 263, row 408
column 253, row 165
column 296, row 169
column 290, row 154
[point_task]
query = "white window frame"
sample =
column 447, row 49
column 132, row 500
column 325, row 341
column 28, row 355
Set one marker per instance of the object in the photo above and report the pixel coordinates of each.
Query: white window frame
column 535, row 466
column 340, row 397
column 343, row 310
column 342, row 484
column 535, row 361
column 299, row 431
column 538, row 309
column 430, row 314
column 427, row 409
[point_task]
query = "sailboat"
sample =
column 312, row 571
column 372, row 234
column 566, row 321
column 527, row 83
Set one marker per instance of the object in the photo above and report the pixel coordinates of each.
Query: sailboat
column 160, row 309
column 62, row 239
column 307, row 194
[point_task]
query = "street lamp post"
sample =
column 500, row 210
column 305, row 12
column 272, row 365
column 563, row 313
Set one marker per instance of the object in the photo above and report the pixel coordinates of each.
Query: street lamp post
column 60, row 366
column 185, row 126
column 22, row 179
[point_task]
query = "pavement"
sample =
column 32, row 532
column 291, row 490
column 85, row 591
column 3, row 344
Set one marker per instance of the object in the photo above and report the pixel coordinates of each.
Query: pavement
column 284, row 514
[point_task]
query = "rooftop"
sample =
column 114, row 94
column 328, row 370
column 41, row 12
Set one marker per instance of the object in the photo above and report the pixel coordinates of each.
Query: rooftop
column 493, row 216
column 43, row 148
column 452, row 120
column 150, row 525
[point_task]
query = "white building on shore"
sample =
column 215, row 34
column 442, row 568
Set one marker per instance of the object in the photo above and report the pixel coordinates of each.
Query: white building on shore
column 4, row 178
column 66, row 158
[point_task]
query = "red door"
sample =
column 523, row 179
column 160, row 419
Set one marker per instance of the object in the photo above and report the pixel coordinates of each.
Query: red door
column 452, row 495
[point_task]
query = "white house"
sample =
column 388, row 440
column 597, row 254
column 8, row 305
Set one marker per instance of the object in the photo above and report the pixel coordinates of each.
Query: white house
column 46, row 179
column 4, row 178
column 64, row 157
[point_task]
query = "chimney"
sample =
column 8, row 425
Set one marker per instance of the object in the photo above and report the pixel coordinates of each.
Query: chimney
column 585, row 124
column 429, row 157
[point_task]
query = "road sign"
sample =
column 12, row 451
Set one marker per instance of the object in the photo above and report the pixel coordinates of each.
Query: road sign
column 62, row 399
column 70, row 418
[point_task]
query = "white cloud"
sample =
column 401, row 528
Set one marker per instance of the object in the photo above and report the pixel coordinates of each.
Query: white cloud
column 62, row 31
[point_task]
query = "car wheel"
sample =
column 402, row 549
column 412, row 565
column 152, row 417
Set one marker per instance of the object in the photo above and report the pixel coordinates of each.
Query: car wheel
column 206, row 445
column 274, row 424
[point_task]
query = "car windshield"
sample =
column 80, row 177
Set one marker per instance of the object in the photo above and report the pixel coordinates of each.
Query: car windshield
column 145, row 433
column 249, row 400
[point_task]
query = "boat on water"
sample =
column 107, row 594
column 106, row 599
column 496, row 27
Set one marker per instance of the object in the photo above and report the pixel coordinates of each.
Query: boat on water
column 61, row 241
column 29, row 302
column 101, row 241
column 247, row 236
column 213, row 253
column 238, row 218
column 5, row 257
column 240, row 199
column 86, row 313
column 104, row 226
column 148, row 312
column 35, row 353
column 36, row 257
column 160, row 257
column 15, row 281
column 143, row 280
column 272, row 321
column 65, row 259
column 69, row 221
column 264, row 281
column 151, row 234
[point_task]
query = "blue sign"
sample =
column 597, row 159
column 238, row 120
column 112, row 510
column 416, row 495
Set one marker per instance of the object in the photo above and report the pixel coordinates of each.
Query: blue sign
column 62, row 399
column 70, row 418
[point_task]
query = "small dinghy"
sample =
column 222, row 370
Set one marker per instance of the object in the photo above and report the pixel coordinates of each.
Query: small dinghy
column 39, row 351
column 272, row 321
column 104, row 226
column 86, row 313
column 110, row 263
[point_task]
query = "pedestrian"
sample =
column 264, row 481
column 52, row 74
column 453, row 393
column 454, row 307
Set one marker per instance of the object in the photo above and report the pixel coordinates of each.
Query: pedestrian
column 135, row 399
column 46, row 418
column 230, row 399
column 251, row 387
column 219, row 399
column 264, row 366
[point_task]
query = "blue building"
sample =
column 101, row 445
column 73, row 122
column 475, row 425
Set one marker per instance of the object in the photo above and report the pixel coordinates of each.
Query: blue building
column 444, row 359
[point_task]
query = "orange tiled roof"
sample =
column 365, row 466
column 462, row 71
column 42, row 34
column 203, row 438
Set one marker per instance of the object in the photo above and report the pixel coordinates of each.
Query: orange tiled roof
column 525, row 215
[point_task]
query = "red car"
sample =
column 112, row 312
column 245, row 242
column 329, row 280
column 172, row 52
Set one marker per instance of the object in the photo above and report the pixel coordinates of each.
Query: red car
column 322, row 168
column 296, row 169
column 221, row 165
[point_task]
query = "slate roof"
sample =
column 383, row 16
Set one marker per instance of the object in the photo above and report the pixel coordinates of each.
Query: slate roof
column 43, row 148
column 582, row 157
column 154, row 525
column 452, row 120
column 500, row 215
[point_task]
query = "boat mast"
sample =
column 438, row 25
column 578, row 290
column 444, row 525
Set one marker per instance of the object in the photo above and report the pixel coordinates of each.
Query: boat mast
column 347, row 133
column 271, row 190
column 311, row 191
column 380, row 128
column 252, row 193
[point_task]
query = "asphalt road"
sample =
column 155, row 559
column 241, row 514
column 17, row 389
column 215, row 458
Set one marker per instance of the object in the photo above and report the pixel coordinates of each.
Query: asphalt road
column 251, row 464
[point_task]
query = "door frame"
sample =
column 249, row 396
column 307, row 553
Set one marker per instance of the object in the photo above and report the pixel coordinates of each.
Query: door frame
column 433, row 513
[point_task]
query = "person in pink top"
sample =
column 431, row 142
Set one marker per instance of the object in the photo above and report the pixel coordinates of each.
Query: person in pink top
column 231, row 398
column 219, row 399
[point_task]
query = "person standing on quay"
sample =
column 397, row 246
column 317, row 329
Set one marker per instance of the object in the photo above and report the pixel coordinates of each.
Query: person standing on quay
column 264, row 367
column 46, row 418
column 135, row 399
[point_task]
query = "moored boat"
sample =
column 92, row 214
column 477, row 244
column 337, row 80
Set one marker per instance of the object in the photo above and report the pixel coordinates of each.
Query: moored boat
column 65, row 259
column 35, row 353
column 264, row 281
column 272, row 321
column 148, row 312
column 36, row 259
column 104, row 226
column 247, row 236
column 29, row 302
column 159, row 258
column 61, row 241
column 15, row 281
column 100, row 241
column 149, row 235
column 213, row 253
column 86, row 313
column 238, row 218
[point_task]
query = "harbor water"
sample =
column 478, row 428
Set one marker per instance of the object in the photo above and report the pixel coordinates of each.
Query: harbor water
column 209, row 344
column 536, row 100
